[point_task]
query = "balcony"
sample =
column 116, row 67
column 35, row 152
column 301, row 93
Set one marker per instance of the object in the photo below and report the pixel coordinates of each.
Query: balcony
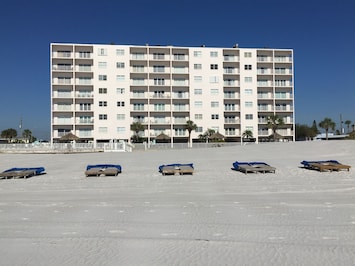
column 62, row 67
column 85, row 121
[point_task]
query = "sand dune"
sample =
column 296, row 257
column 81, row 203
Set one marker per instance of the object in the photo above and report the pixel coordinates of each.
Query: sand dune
column 217, row 216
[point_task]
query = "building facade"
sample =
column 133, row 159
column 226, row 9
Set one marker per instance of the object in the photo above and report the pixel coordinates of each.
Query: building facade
column 98, row 91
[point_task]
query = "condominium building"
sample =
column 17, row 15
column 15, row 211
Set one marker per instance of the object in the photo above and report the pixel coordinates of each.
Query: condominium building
column 99, row 90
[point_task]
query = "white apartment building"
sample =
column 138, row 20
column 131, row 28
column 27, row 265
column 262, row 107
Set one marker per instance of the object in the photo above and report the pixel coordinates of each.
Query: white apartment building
column 99, row 90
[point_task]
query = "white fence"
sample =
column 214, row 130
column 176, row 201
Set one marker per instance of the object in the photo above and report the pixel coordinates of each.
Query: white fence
column 65, row 147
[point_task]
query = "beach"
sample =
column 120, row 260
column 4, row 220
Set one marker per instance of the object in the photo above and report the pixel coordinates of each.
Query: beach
column 217, row 216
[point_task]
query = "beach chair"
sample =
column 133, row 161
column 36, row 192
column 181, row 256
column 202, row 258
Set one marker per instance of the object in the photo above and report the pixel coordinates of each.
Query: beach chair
column 103, row 169
column 23, row 172
column 323, row 166
column 177, row 168
column 253, row 167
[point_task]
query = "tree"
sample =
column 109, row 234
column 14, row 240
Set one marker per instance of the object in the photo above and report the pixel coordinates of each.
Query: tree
column 274, row 122
column 247, row 134
column 327, row 124
column 136, row 127
column 27, row 134
column 9, row 133
column 347, row 123
column 314, row 128
column 205, row 136
column 190, row 125
column 304, row 132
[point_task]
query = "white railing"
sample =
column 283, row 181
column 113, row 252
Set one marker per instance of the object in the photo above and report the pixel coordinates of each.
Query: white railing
column 71, row 147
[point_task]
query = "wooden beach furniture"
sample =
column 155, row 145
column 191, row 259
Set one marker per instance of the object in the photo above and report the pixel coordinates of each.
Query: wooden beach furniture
column 103, row 169
column 253, row 167
column 323, row 166
column 23, row 172
column 172, row 169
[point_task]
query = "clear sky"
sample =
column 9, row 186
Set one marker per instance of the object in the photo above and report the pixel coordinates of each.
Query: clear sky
column 321, row 32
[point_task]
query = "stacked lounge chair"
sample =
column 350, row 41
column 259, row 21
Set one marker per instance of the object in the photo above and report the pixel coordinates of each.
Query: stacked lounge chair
column 253, row 167
column 103, row 169
column 177, row 168
column 322, row 166
column 23, row 172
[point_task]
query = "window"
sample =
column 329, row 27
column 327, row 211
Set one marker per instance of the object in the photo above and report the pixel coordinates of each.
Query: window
column 158, row 56
column 102, row 51
column 120, row 104
column 247, row 54
column 121, row 130
column 159, row 81
column 249, row 116
column 158, row 69
column 102, row 116
column 197, row 66
column 248, row 92
column 198, row 116
column 138, row 68
column 214, row 91
column 103, row 130
column 247, row 67
column 248, row 104
column 138, row 107
column 199, row 129
column 214, row 116
column 229, row 107
column 84, row 54
column 119, row 52
column 214, row 79
column 198, row 78
column 159, row 107
column 120, row 77
column 213, row 54
column 102, row 103
column 138, row 81
column 138, row 56
column 120, row 65
column 251, row 128
column 198, row 91
column 121, row 116
column 198, row 104
column 214, row 104
column 180, row 132
column 102, row 77
column 280, row 95
column 179, row 57
column 102, row 64
column 120, row 91
column 102, row 90
column 197, row 54
column 85, row 107
column 248, row 79
column 214, row 66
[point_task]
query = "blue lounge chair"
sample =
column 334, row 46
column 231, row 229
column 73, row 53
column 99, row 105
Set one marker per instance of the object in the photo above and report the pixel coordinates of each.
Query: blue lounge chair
column 253, row 167
column 103, row 169
column 24, row 172
column 176, row 168
column 328, row 165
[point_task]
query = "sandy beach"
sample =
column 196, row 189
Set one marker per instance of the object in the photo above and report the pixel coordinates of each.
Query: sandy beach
column 216, row 216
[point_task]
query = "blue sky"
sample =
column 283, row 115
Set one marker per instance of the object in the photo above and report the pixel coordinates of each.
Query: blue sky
column 321, row 32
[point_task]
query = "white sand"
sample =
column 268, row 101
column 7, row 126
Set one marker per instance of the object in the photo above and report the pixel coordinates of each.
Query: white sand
column 215, row 217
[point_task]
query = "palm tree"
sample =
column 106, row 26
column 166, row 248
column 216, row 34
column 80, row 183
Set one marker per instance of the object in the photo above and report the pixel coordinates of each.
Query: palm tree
column 136, row 127
column 347, row 123
column 247, row 134
column 9, row 133
column 274, row 122
column 327, row 124
column 190, row 125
